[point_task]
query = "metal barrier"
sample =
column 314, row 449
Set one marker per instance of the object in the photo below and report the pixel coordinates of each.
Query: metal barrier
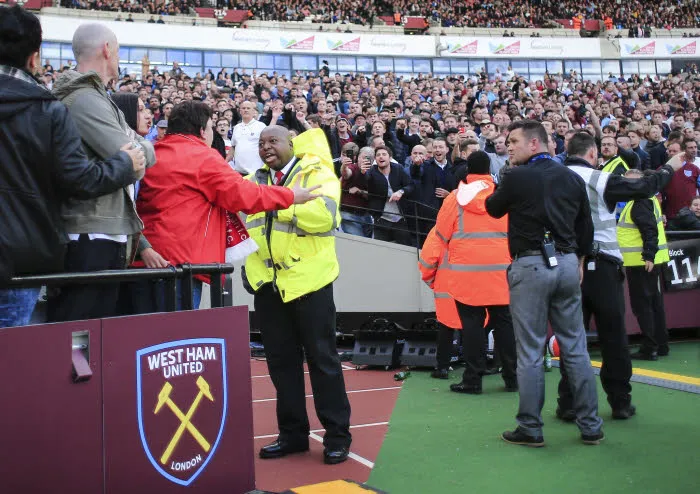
column 170, row 276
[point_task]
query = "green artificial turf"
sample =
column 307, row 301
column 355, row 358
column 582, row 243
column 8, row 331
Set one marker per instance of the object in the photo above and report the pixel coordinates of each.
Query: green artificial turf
column 441, row 442
column 684, row 359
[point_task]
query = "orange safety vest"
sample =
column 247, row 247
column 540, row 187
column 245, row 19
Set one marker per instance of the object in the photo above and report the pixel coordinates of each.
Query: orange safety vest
column 577, row 23
column 608, row 23
column 436, row 278
column 477, row 248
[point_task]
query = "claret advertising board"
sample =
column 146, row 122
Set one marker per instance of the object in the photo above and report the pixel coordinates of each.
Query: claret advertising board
column 167, row 409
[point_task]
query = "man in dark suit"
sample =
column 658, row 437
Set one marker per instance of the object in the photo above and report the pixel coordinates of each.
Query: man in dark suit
column 387, row 186
column 644, row 158
column 435, row 178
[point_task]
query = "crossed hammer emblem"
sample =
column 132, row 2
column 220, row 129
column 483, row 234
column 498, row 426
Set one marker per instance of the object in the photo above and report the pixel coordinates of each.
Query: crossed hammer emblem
column 185, row 418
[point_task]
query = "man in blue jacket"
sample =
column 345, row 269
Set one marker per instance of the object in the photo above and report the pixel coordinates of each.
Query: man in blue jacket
column 43, row 164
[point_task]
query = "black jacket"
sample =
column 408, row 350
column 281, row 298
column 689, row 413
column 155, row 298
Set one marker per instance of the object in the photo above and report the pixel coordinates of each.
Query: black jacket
column 685, row 220
column 544, row 195
column 428, row 176
column 642, row 214
column 644, row 159
column 657, row 154
column 43, row 163
column 378, row 189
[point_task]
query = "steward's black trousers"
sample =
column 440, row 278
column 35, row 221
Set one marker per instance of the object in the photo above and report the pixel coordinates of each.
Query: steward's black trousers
column 647, row 303
column 474, row 341
column 305, row 326
column 604, row 299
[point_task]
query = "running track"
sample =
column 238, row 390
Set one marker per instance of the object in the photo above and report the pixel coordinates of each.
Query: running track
column 372, row 397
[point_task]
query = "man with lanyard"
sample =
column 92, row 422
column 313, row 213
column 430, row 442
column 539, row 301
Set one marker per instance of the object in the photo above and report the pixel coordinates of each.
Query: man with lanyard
column 603, row 294
column 549, row 228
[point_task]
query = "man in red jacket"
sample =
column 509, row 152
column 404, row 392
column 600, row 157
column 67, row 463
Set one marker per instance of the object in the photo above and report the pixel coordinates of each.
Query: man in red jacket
column 183, row 201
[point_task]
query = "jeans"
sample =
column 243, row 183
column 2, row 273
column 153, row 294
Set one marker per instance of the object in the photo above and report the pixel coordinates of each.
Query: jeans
column 356, row 224
column 17, row 305
column 196, row 295
column 148, row 297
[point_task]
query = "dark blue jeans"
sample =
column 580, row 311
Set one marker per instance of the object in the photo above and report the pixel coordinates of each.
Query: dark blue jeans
column 17, row 305
column 146, row 296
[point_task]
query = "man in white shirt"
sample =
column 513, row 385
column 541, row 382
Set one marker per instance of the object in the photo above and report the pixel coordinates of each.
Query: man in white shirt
column 244, row 140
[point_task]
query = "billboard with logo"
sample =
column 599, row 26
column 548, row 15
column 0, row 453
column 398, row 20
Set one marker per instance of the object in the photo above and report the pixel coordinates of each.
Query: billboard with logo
column 329, row 43
column 659, row 48
column 458, row 46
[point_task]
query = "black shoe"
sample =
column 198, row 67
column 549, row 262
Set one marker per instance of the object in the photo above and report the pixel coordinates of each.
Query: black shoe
column 663, row 351
column 512, row 386
column 593, row 439
column 519, row 437
column 281, row 448
column 624, row 413
column 492, row 371
column 640, row 355
column 440, row 374
column 335, row 456
column 472, row 389
column 567, row 415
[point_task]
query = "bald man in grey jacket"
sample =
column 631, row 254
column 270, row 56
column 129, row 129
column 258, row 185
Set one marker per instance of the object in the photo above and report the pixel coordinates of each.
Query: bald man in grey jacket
column 103, row 231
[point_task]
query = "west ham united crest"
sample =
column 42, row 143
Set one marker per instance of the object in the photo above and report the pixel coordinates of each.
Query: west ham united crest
column 181, row 405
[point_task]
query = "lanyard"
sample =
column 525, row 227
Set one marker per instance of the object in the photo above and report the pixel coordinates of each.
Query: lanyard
column 537, row 157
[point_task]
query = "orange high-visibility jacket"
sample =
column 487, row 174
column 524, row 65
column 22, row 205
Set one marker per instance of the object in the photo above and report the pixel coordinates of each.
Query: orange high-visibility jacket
column 477, row 254
column 445, row 307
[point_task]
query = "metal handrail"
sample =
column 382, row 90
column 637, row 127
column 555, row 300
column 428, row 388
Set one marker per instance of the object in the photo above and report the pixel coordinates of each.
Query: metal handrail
column 170, row 274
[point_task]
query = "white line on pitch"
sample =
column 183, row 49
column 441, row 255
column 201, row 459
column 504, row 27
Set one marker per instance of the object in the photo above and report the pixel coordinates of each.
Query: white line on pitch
column 355, row 391
column 357, row 458
column 359, row 426
column 305, row 372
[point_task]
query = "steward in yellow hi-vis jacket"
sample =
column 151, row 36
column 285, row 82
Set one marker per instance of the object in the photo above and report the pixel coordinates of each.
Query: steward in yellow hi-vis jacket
column 292, row 276
column 297, row 245
column 642, row 239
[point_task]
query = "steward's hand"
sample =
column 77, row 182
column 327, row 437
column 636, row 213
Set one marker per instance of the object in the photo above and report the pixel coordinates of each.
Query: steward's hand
column 303, row 195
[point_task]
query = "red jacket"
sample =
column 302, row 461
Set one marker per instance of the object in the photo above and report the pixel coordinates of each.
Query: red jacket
column 184, row 197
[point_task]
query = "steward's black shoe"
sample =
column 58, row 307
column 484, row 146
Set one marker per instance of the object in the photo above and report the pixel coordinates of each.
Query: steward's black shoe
column 281, row 448
column 640, row 355
column 332, row 456
column 512, row 386
column 440, row 374
column 519, row 437
column 567, row 415
column 472, row 389
column 624, row 413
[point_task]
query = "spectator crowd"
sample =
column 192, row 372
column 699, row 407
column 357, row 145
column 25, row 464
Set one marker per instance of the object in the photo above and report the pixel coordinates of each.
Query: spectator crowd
column 173, row 7
column 427, row 126
column 642, row 15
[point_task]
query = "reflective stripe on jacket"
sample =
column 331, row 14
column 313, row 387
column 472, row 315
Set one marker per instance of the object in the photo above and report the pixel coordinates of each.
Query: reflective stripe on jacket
column 630, row 239
column 611, row 165
column 436, row 279
column 477, row 255
column 297, row 245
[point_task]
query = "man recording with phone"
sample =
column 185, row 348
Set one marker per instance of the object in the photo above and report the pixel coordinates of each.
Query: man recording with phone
column 354, row 162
